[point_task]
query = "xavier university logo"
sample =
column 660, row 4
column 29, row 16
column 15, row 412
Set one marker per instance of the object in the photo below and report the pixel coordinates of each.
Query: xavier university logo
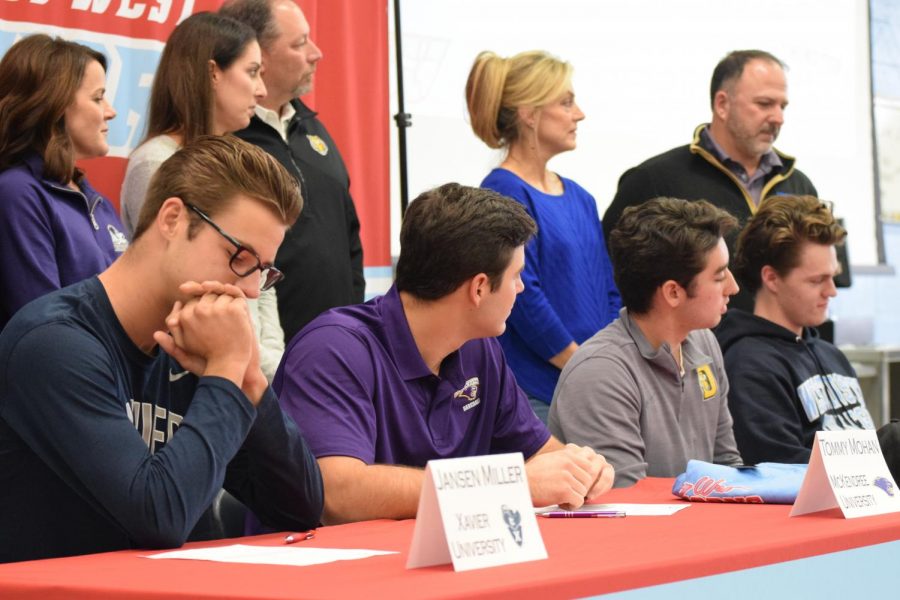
column 469, row 393
column 317, row 144
column 513, row 520
column 707, row 381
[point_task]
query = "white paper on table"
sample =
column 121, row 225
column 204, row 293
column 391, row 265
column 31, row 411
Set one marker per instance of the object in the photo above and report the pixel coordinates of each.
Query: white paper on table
column 270, row 555
column 630, row 510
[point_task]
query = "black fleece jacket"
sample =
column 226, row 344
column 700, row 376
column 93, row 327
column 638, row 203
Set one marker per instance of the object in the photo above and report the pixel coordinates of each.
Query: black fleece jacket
column 691, row 172
column 321, row 256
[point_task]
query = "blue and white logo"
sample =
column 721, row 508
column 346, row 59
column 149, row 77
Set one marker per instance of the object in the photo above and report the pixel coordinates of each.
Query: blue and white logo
column 513, row 520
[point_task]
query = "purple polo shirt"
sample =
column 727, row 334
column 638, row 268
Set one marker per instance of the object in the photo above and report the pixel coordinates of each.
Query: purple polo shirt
column 356, row 385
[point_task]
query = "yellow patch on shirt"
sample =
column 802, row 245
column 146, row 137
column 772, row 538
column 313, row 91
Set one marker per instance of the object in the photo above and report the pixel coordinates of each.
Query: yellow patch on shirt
column 318, row 144
column 707, row 381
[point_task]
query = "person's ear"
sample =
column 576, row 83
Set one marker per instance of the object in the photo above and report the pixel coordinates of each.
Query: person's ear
column 769, row 278
column 672, row 293
column 527, row 116
column 171, row 217
column 214, row 72
column 721, row 104
column 478, row 289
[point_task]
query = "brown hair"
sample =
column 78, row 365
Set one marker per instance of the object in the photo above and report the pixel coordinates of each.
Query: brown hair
column 660, row 240
column 258, row 15
column 39, row 77
column 454, row 232
column 211, row 171
column 775, row 235
column 182, row 97
column 498, row 86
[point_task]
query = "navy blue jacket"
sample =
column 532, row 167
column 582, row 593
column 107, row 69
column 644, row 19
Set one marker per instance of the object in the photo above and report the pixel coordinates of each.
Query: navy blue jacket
column 785, row 388
column 103, row 447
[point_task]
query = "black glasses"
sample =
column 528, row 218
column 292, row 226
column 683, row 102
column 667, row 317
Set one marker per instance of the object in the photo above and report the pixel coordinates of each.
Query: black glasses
column 244, row 261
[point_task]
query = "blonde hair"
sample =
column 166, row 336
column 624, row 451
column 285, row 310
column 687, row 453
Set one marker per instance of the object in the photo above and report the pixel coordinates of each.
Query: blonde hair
column 497, row 87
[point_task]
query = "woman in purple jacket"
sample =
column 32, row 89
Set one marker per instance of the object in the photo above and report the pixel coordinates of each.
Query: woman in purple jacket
column 55, row 229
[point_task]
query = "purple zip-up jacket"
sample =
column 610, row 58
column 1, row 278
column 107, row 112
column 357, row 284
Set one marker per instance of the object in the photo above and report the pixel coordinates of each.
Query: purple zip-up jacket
column 50, row 235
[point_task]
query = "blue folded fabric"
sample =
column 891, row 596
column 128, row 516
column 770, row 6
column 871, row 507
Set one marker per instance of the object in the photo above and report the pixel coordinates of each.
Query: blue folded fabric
column 765, row 483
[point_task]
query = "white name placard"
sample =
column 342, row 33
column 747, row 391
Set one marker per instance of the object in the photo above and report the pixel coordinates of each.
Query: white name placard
column 475, row 512
column 847, row 470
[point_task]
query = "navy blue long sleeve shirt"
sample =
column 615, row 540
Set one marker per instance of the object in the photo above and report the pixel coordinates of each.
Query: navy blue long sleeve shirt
column 103, row 447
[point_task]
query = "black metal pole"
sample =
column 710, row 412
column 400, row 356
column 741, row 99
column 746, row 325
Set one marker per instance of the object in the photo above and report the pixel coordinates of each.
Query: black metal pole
column 402, row 118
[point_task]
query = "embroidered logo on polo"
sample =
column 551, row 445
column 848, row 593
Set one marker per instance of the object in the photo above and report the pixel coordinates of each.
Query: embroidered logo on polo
column 119, row 241
column 317, row 144
column 469, row 392
column 707, row 381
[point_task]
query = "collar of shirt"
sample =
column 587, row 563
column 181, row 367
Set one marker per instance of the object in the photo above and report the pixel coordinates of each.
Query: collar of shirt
column 410, row 363
column 691, row 355
column 767, row 163
column 277, row 122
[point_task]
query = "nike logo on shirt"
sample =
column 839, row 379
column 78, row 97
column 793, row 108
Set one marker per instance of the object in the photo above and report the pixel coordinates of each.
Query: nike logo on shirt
column 176, row 376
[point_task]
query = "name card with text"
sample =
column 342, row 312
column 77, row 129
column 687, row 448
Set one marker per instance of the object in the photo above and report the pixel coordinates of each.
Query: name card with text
column 475, row 512
column 847, row 470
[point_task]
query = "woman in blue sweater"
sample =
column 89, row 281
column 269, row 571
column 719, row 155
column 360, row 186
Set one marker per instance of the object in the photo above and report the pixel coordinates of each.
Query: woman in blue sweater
column 525, row 105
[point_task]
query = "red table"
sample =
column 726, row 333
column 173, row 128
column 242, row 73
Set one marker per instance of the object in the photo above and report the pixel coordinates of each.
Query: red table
column 587, row 556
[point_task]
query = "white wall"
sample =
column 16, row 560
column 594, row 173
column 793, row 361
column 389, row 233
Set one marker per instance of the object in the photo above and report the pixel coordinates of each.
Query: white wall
column 642, row 70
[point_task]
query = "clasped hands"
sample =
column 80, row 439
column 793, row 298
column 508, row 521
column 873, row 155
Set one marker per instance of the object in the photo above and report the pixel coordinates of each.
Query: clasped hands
column 571, row 476
column 210, row 333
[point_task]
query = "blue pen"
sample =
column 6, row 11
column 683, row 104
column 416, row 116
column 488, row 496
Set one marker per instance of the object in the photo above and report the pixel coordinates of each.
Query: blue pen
column 584, row 514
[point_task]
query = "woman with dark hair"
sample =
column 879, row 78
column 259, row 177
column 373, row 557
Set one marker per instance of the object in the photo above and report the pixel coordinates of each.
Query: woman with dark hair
column 55, row 229
column 525, row 106
column 207, row 83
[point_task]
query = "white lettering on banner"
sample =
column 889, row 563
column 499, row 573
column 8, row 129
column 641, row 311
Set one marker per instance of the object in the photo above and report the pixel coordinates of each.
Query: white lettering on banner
column 96, row 6
column 127, row 9
column 160, row 13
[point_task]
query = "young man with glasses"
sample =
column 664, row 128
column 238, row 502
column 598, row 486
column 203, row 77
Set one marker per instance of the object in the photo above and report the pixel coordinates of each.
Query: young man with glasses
column 127, row 401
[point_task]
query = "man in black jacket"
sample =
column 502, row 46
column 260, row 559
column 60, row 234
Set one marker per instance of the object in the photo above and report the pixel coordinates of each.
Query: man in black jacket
column 731, row 161
column 322, row 254
column 786, row 382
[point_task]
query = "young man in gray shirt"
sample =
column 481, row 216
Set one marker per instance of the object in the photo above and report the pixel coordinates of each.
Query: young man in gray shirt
column 649, row 391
